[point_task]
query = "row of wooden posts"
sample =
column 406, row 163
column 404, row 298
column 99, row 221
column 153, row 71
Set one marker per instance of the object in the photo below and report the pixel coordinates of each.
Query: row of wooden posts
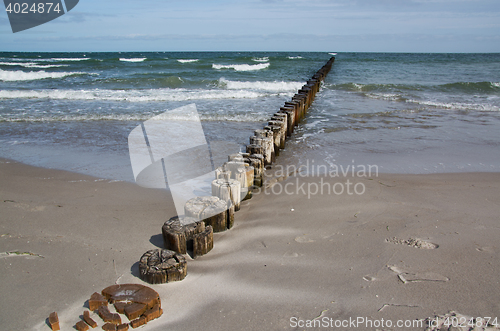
column 193, row 232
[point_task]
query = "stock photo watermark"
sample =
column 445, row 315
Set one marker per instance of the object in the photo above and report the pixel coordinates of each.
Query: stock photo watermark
column 348, row 179
column 27, row 14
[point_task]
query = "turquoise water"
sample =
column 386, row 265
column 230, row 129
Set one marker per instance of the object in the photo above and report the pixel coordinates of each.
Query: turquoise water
column 407, row 113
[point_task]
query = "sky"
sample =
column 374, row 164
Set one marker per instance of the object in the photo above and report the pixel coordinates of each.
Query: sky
column 266, row 25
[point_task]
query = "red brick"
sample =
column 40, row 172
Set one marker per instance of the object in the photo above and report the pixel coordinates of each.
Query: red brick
column 81, row 326
column 54, row 321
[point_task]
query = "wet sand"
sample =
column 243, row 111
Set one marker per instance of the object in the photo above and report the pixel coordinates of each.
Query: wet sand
column 408, row 248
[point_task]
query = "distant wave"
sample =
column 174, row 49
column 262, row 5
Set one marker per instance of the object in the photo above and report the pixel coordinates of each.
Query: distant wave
column 33, row 65
column 242, row 67
column 462, row 87
column 264, row 86
column 456, row 105
column 246, row 117
column 18, row 75
column 261, row 59
column 149, row 95
column 57, row 59
column 295, row 57
column 332, row 53
column 187, row 60
column 138, row 59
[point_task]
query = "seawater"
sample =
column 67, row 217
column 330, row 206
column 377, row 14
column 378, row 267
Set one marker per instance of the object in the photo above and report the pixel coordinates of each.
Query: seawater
column 405, row 113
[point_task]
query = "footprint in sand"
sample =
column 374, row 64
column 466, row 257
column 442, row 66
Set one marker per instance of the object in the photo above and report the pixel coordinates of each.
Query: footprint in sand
column 413, row 242
column 290, row 254
column 414, row 277
column 369, row 278
column 485, row 249
column 304, row 239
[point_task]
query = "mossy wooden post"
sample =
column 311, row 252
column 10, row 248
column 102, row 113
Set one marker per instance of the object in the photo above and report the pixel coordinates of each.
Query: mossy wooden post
column 209, row 209
column 267, row 144
column 158, row 266
column 229, row 191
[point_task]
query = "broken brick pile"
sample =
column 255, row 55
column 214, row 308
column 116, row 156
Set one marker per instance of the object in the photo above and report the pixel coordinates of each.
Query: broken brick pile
column 139, row 303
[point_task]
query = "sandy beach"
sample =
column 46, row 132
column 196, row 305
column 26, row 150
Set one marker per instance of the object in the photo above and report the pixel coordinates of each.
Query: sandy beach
column 409, row 248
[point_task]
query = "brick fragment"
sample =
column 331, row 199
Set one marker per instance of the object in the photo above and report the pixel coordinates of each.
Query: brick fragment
column 122, row 327
column 81, row 326
column 138, row 322
column 89, row 320
column 96, row 300
column 54, row 321
column 109, row 327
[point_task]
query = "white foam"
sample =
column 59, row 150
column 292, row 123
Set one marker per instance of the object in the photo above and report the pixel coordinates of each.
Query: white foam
column 78, row 117
column 332, row 53
column 456, row 105
column 295, row 57
column 242, row 67
column 187, row 60
column 18, row 75
column 495, row 84
column 138, row 59
column 261, row 59
column 132, row 95
column 56, row 59
column 33, row 65
column 69, row 59
column 263, row 86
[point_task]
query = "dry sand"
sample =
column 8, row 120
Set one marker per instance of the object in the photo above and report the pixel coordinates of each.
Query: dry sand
column 410, row 247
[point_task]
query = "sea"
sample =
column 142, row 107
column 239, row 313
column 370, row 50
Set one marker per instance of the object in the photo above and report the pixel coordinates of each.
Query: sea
column 405, row 113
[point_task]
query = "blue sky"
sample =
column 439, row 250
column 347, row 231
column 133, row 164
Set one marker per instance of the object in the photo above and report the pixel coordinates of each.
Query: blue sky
column 266, row 25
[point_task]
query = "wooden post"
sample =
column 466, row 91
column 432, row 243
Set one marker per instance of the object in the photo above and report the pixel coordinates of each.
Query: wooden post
column 209, row 209
column 284, row 117
column 158, row 266
column 255, row 149
column 257, row 162
column 229, row 191
column 203, row 242
column 290, row 118
column 276, row 137
column 178, row 233
column 267, row 144
column 282, row 132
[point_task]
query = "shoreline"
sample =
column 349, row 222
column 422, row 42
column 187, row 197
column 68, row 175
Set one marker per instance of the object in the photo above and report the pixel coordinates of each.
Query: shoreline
column 288, row 256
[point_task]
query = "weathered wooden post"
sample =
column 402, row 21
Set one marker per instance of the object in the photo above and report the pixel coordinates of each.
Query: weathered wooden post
column 290, row 112
column 162, row 266
column 180, row 234
column 282, row 117
column 257, row 162
column 209, row 209
column 276, row 131
column 267, row 144
column 228, row 190
column 281, row 132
